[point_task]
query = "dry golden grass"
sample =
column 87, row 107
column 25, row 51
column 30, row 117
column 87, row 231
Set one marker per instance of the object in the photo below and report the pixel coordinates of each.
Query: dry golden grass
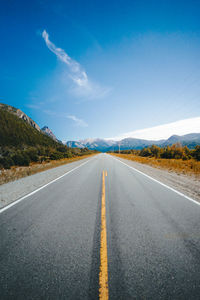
column 18, row 172
column 187, row 167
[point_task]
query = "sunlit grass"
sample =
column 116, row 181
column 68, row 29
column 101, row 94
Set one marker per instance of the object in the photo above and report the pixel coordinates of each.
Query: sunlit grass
column 188, row 167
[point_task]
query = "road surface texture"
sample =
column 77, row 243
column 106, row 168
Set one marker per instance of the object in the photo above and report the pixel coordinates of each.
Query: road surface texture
column 102, row 220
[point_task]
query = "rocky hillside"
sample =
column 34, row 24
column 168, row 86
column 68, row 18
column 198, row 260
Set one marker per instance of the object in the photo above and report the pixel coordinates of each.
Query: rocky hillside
column 17, row 132
column 20, row 114
column 48, row 132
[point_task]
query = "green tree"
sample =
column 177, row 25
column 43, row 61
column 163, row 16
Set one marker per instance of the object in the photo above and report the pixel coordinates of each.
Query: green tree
column 196, row 153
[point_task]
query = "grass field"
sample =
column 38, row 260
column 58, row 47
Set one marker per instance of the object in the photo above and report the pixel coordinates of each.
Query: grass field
column 187, row 167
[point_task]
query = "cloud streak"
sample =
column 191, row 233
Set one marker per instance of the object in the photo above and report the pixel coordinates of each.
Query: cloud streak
column 181, row 127
column 78, row 122
column 82, row 85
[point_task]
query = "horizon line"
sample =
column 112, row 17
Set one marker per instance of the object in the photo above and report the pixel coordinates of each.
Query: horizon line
column 164, row 131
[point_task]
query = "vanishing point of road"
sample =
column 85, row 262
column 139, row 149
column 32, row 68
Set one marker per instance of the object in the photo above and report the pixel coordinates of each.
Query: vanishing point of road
column 102, row 231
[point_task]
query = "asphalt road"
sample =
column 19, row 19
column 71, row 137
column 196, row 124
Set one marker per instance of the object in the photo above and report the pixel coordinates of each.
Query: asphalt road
column 50, row 241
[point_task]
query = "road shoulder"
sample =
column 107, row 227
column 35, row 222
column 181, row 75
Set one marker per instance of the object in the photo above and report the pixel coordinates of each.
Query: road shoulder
column 12, row 191
column 186, row 184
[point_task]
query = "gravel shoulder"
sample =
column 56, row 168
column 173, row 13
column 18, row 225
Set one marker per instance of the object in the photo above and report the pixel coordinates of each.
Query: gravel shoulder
column 11, row 191
column 186, row 184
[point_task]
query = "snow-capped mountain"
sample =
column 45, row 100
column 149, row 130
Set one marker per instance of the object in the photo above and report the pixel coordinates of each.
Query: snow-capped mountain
column 93, row 144
column 190, row 140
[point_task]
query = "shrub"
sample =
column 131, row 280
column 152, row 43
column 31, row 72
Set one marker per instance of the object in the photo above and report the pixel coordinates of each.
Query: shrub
column 32, row 154
column 68, row 155
column 56, row 155
column 21, row 159
column 6, row 162
column 145, row 152
column 62, row 149
column 196, row 153
column 155, row 150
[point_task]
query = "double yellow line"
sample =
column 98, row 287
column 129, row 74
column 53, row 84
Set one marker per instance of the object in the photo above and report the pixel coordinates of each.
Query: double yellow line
column 103, row 274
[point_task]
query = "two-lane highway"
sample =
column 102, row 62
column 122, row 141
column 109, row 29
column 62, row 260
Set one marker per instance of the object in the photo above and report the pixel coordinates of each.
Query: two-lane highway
column 65, row 240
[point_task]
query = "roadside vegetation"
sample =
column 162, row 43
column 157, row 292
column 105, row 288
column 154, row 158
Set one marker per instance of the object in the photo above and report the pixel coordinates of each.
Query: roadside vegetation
column 25, row 156
column 16, row 172
column 174, row 158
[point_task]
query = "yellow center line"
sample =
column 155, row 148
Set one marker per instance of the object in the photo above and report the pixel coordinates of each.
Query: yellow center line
column 103, row 274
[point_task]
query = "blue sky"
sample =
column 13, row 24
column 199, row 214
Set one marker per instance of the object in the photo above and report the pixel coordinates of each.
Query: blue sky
column 101, row 68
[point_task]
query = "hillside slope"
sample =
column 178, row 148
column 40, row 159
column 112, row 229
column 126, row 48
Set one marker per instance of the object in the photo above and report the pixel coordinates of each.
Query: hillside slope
column 22, row 143
column 20, row 114
column 14, row 131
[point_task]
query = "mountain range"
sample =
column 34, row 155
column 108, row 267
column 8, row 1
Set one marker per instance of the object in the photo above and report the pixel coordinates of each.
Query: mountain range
column 104, row 145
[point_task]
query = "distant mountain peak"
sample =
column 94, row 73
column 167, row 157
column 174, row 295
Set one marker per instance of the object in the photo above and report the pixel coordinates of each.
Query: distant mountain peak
column 46, row 130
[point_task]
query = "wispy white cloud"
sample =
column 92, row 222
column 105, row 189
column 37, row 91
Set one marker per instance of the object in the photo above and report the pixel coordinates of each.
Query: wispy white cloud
column 78, row 122
column 82, row 85
column 181, row 127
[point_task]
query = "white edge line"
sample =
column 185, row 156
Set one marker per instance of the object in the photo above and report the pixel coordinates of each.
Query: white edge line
column 37, row 190
column 168, row 187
